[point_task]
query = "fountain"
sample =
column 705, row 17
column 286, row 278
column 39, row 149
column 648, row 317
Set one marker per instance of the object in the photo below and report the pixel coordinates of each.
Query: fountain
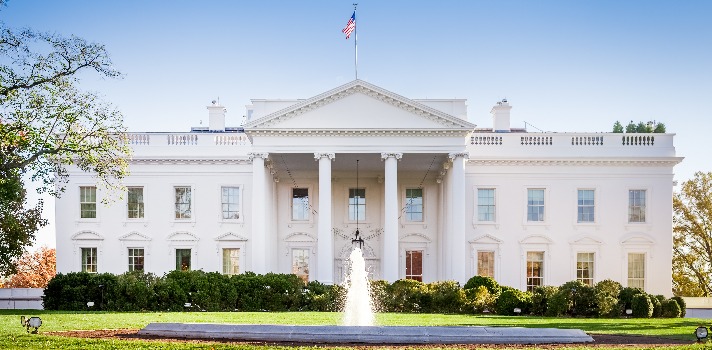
column 358, row 310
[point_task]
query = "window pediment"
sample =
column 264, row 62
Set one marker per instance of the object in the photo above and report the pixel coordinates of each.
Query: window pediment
column 134, row 236
column 415, row 238
column 299, row 237
column 183, row 237
column 585, row 240
column 230, row 236
column 486, row 239
column 637, row 238
column 536, row 239
column 87, row 235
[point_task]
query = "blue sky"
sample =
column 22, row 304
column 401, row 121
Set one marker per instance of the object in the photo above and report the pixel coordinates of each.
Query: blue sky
column 563, row 65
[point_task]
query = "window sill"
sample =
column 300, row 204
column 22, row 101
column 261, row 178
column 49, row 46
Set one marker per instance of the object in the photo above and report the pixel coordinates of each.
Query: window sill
column 87, row 221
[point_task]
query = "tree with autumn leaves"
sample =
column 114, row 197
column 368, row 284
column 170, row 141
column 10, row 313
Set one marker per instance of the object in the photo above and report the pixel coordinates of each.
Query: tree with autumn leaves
column 692, row 237
column 34, row 269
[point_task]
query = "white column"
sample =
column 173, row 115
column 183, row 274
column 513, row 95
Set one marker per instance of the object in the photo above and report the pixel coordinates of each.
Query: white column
column 325, row 245
column 259, row 208
column 458, row 241
column 390, row 227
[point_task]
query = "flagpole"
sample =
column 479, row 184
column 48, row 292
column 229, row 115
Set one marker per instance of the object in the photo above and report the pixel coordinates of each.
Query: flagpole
column 355, row 43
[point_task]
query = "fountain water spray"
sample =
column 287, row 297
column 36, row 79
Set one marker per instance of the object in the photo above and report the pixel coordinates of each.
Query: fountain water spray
column 358, row 310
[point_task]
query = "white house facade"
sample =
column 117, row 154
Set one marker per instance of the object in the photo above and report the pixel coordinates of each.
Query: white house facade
column 432, row 196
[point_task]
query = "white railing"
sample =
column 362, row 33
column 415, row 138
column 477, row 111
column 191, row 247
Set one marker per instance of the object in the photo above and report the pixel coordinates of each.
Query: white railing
column 231, row 140
column 187, row 139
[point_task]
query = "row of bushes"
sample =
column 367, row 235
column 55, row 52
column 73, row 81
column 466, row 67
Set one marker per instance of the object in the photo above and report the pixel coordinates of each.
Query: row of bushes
column 211, row 291
column 605, row 299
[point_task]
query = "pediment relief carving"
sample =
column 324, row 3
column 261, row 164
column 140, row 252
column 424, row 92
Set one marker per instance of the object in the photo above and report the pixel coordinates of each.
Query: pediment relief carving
column 536, row 239
column 486, row 239
column 134, row 236
column 415, row 238
column 87, row 235
column 358, row 87
column 182, row 237
column 230, row 236
column 300, row 237
column 637, row 238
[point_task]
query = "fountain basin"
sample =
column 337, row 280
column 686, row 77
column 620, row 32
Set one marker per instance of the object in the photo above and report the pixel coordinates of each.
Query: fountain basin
column 367, row 334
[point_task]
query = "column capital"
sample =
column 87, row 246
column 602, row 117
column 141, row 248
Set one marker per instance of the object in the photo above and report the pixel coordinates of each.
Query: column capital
column 396, row 155
column 454, row 155
column 318, row 155
column 253, row 155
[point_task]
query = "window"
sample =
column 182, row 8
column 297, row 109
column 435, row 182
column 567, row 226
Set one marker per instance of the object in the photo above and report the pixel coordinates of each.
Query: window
column 136, row 259
column 414, row 265
column 357, row 204
column 300, row 204
column 183, row 259
column 485, row 204
column 485, row 263
column 89, row 260
column 586, row 205
column 183, row 201
column 535, row 270
column 87, row 200
column 584, row 268
column 535, row 204
column 636, row 270
column 300, row 263
column 230, row 203
column 231, row 261
column 636, row 206
column 135, row 203
column 414, row 204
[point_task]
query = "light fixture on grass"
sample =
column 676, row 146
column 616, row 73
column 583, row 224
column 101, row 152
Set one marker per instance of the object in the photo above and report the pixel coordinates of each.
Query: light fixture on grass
column 32, row 322
column 628, row 312
column 517, row 311
column 90, row 303
column 701, row 333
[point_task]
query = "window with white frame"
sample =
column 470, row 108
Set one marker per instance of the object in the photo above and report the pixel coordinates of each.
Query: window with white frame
column 87, row 202
column 134, row 203
column 300, row 263
column 636, row 270
column 136, row 257
column 586, row 206
column 231, row 261
column 485, row 263
column 486, row 209
column 584, row 267
column 414, row 204
column 183, row 199
column 535, row 204
column 300, row 204
column 535, row 270
column 357, row 204
column 183, row 259
column 230, row 202
column 414, row 265
column 89, row 260
column 636, row 205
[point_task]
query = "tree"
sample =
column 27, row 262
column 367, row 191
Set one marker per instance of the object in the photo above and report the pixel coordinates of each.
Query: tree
column 659, row 128
column 34, row 270
column 47, row 125
column 692, row 237
column 630, row 128
column 617, row 127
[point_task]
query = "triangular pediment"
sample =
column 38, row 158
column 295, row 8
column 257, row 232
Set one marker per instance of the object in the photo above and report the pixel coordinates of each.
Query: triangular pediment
column 486, row 239
column 585, row 240
column 87, row 235
column 536, row 239
column 134, row 236
column 637, row 239
column 230, row 237
column 358, row 105
column 182, row 236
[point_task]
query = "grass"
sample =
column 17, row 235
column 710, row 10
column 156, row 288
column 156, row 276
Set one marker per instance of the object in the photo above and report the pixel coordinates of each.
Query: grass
column 13, row 336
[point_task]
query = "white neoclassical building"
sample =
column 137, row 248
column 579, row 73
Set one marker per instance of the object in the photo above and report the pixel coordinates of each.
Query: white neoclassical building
column 432, row 196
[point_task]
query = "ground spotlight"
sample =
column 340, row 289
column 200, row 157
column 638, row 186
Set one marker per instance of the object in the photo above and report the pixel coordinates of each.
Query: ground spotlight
column 701, row 333
column 33, row 322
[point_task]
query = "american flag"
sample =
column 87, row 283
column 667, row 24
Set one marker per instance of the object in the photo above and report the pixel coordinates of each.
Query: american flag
column 350, row 26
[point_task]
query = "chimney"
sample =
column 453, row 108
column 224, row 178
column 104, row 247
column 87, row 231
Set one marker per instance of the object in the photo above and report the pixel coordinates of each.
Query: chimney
column 216, row 115
column 500, row 116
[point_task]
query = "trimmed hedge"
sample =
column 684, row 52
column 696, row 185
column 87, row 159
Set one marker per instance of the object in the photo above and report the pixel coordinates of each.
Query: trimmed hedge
column 212, row 291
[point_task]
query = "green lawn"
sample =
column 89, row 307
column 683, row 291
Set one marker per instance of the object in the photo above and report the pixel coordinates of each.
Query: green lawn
column 13, row 336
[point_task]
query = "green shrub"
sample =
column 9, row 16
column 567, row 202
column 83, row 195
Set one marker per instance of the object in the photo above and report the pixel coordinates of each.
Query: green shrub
column 73, row 290
column 133, row 292
column 445, row 297
column 642, row 306
column 683, row 305
column 671, row 309
column 657, row 306
column 479, row 300
column 573, row 298
column 408, row 295
column 511, row 298
column 625, row 297
column 319, row 297
column 606, row 294
column 488, row 282
column 540, row 299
